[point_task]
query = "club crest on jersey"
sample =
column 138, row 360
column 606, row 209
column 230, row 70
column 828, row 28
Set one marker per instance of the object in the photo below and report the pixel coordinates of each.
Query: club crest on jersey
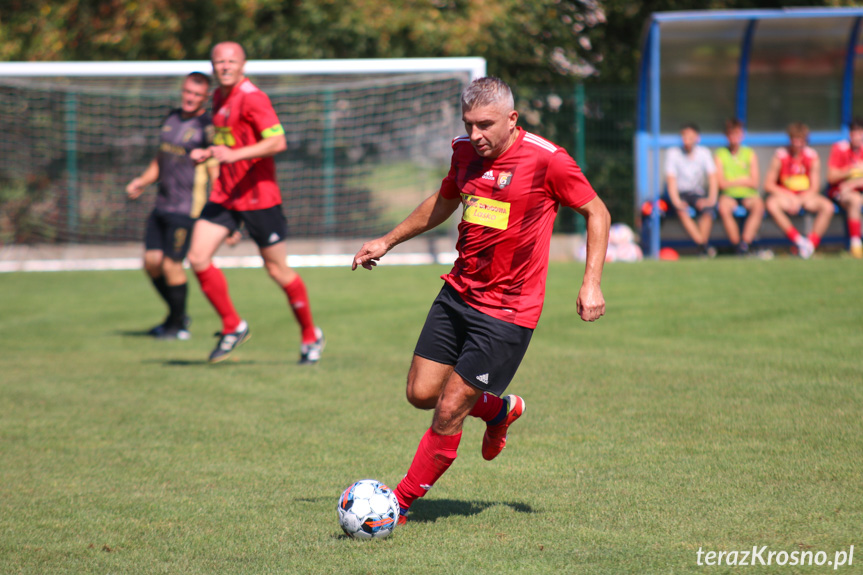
column 504, row 179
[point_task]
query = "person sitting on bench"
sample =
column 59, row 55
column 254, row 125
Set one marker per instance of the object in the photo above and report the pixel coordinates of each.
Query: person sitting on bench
column 792, row 185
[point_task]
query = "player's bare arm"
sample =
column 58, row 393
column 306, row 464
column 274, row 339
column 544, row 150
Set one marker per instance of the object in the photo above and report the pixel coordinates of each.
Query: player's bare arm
column 431, row 213
column 199, row 155
column 150, row 176
column 590, row 304
column 713, row 190
column 674, row 194
column 771, row 185
column 836, row 176
column 721, row 181
column 264, row 149
column 814, row 179
column 224, row 155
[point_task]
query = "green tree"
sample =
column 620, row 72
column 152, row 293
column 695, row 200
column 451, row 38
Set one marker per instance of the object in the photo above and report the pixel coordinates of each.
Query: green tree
column 531, row 42
column 42, row 30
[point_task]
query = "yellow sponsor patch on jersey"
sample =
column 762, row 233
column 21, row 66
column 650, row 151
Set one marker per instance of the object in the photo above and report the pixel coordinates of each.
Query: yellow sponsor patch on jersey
column 796, row 183
column 485, row 212
column 224, row 136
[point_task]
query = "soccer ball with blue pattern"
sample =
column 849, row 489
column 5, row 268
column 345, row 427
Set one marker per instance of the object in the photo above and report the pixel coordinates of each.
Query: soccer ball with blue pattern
column 368, row 509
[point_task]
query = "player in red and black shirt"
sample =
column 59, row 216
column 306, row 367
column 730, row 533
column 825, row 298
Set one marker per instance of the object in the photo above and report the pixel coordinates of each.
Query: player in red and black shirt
column 510, row 184
column 182, row 193
column 248, row 135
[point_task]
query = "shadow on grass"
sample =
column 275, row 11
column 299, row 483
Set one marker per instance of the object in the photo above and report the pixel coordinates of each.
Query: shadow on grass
column 429, row 511
column 199, row 362
column 133, row 333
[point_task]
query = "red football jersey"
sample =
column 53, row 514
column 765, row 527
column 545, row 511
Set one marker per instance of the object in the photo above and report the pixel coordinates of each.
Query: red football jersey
column 245, row 117
column 795, row 171
column 509, row 205
column 842, row 156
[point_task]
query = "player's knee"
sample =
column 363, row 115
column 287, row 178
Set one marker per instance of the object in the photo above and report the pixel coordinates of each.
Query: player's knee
column 280, row 272
column 420, row 398
column 153, row 265
column 153, row 270
column 198, row 260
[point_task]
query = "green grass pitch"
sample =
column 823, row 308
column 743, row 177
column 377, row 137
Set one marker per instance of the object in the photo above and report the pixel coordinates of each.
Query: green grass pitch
column 716, row 406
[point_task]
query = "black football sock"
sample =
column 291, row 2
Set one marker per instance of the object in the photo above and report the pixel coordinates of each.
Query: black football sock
column 177, row 304
column 162, row 287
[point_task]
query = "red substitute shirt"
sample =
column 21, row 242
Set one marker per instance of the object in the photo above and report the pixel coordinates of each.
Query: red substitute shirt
column 842, row 157
column 795, row 171
column 245, row 117
column 509, row 205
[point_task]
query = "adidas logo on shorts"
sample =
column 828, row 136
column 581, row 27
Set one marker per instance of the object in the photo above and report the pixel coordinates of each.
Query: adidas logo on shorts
column 483, row 378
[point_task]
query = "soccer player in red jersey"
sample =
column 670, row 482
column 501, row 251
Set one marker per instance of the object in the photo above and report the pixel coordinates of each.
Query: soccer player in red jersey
column 248, row 135
column 792, row 184
column 845, row 176
column 510, row 184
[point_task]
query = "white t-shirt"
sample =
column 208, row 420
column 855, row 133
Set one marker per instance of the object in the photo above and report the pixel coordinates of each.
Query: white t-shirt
column 691, row 170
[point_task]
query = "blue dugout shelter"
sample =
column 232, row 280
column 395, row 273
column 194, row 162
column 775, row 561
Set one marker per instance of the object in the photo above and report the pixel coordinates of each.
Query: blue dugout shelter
column 766, row 67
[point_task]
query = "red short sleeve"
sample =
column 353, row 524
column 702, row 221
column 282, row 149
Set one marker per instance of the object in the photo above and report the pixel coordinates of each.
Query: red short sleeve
column 567, row 182
column 261, row 116
column 838, row 157
column 448, row 188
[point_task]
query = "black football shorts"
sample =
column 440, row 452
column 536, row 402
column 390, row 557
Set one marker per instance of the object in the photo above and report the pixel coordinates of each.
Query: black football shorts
column 485, row 351
column 266, row 227
column 168, row 233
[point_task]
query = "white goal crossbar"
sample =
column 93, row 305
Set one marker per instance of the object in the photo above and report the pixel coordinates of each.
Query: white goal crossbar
column 475, row 66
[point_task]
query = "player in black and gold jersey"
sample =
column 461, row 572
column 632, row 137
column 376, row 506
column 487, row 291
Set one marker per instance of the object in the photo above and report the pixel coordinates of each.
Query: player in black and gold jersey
column 182, row 194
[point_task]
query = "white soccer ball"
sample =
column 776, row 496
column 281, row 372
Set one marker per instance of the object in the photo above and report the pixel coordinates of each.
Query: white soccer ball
column 368, row 509
column 628, row 253
column 619, row 234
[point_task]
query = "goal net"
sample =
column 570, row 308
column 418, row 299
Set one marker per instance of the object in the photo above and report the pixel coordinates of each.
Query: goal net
column 367, row 140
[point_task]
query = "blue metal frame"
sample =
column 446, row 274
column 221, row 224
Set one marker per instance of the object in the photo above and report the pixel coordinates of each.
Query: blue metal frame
column 743, row 72
column 649, row 140
column 848, row 77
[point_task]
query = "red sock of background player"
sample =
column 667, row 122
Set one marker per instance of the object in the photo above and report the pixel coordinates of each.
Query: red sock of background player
column 815, row 239
column 854, row 228
column 793, row 235
column 299, row 301
column 433, row 457
column 215, row 287
column 489, row 408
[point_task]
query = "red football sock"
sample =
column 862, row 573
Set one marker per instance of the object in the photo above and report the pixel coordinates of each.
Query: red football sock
column 854, row 228
column 215, row 287
column 815, row 239
column 433, row 457
column 299, row 301
column 793, row 234
column 487, row 407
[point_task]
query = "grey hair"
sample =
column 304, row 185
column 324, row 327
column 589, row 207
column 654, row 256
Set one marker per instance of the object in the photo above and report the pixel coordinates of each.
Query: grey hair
column 487, row 91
